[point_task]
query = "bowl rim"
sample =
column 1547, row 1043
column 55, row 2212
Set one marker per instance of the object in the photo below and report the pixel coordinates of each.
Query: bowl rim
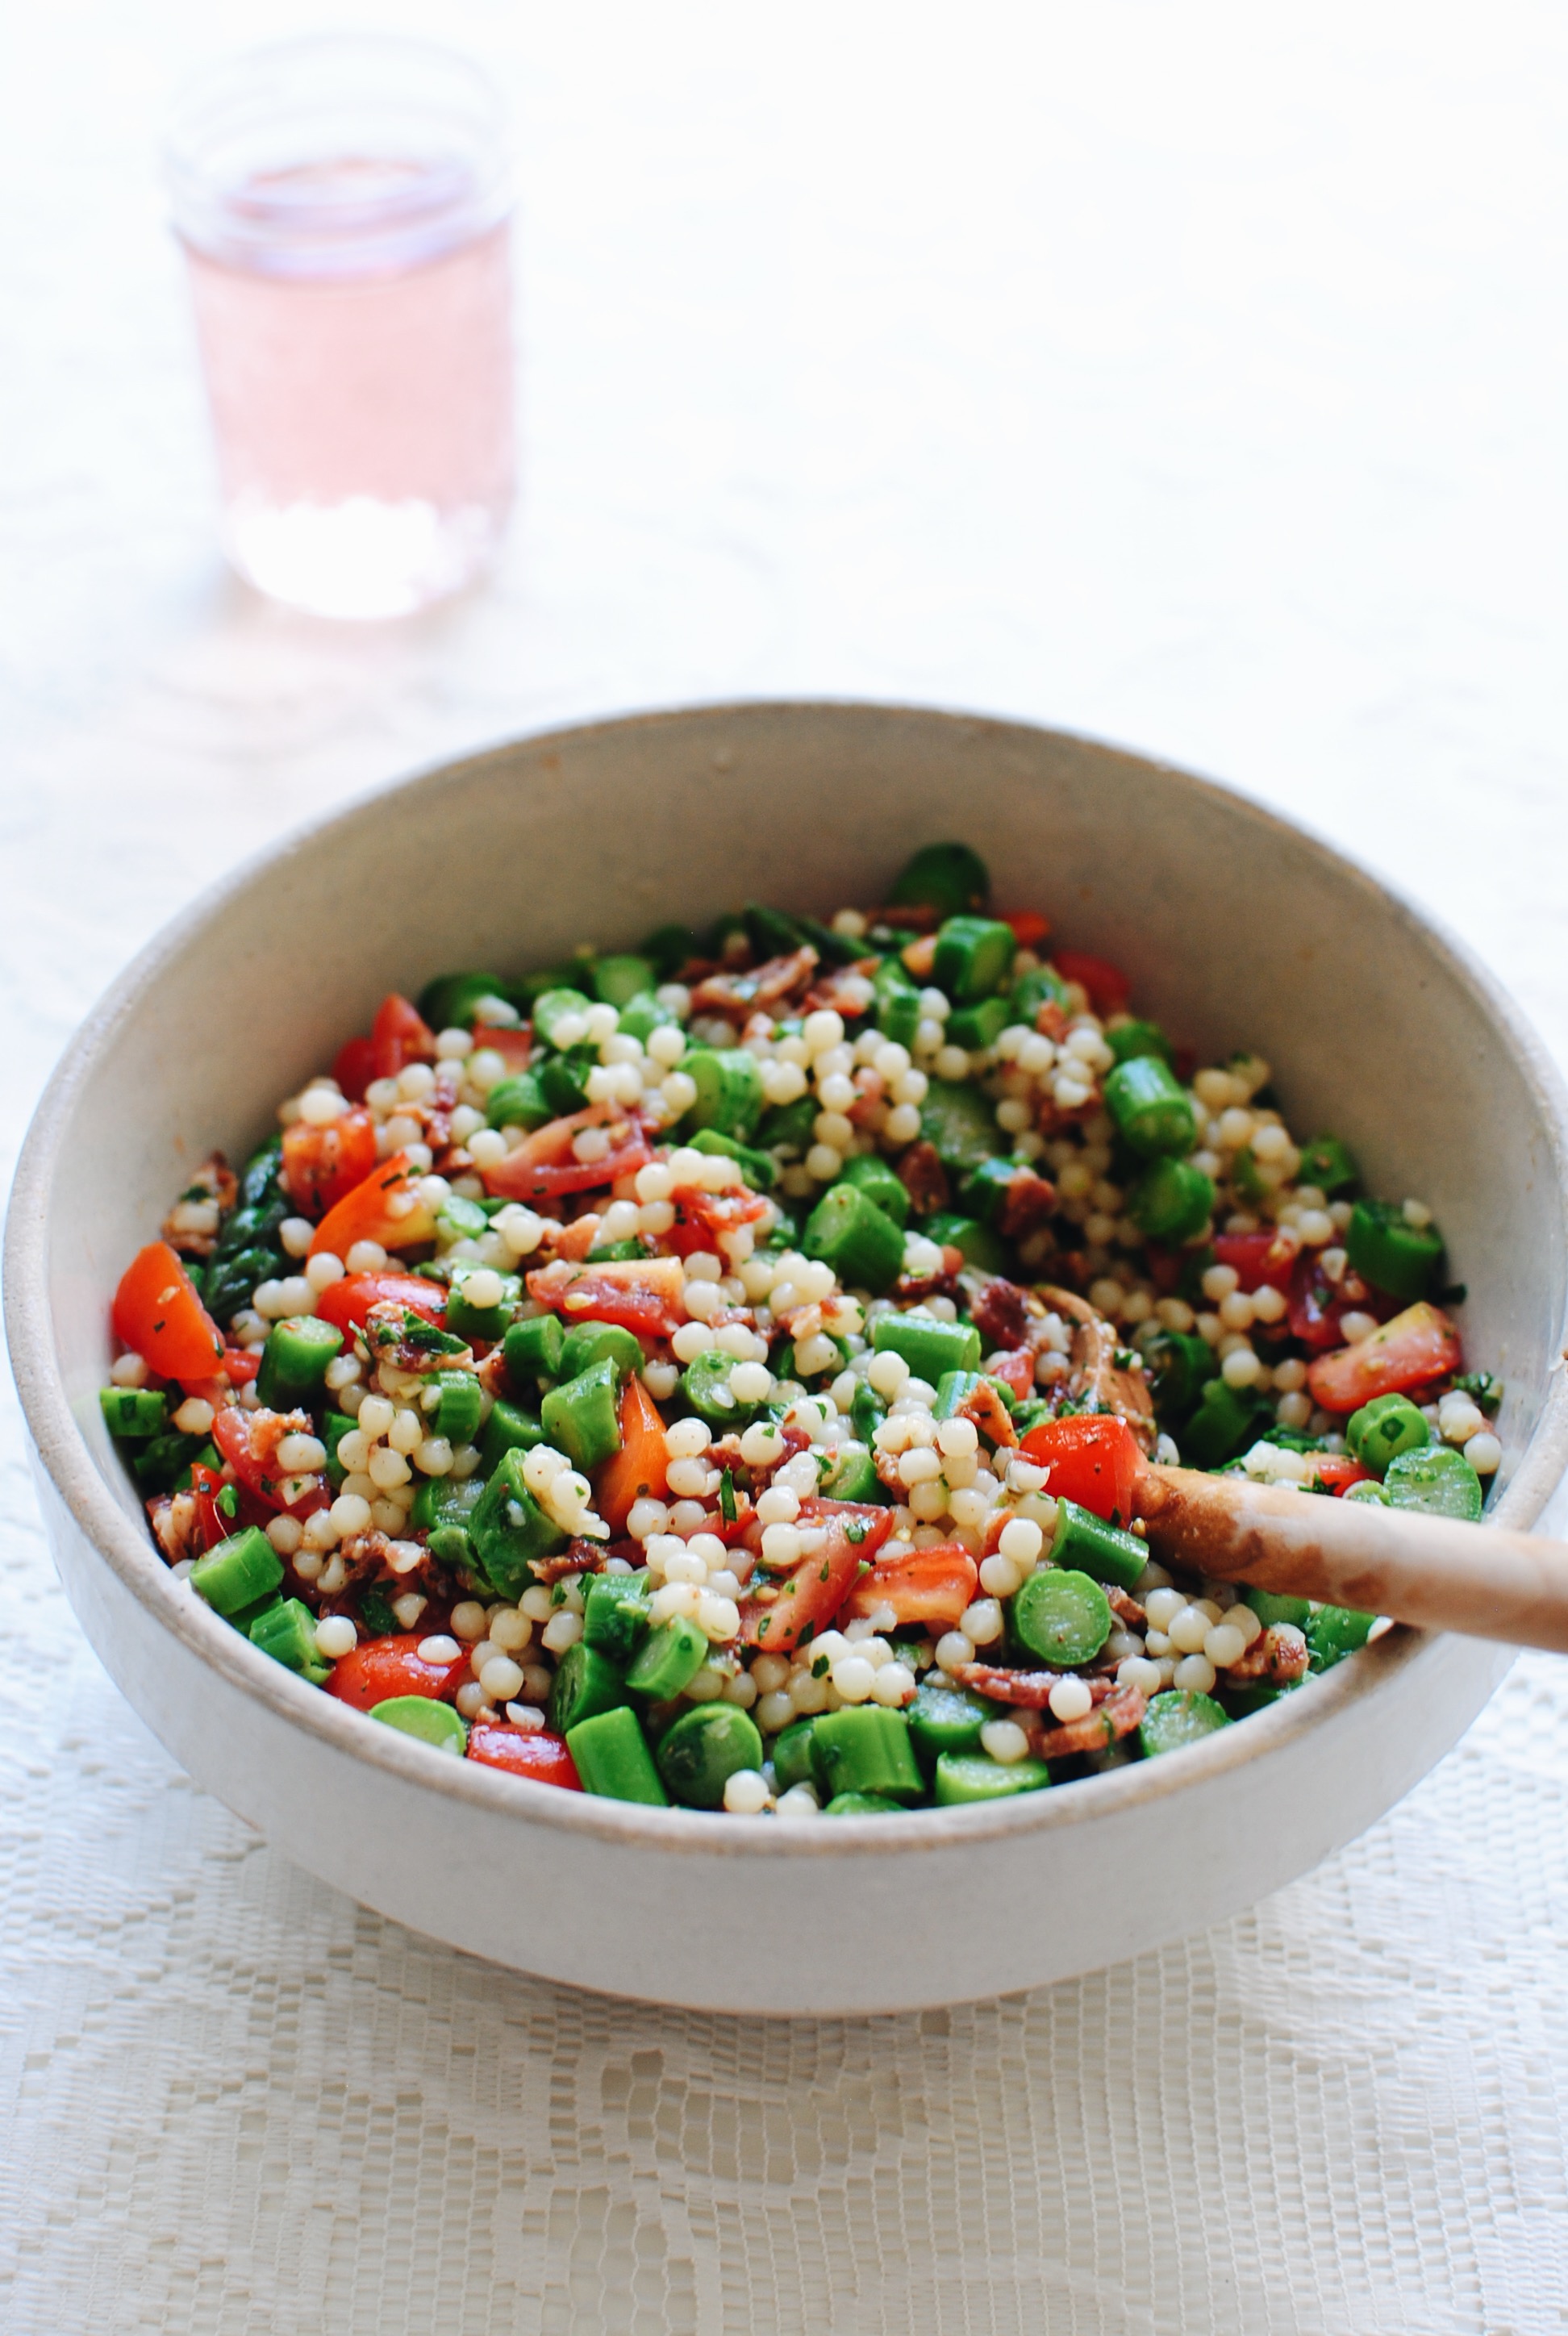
column 126, row 1549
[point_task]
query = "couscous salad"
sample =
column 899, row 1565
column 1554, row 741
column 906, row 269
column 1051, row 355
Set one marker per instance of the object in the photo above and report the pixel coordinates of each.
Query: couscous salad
column 719, row 1373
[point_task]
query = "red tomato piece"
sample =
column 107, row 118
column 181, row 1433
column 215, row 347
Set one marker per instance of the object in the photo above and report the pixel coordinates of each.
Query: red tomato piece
column 224, row 1507
column 1094, row 1460
column 1316, row 1304
column 525, row 1752
column 929, row 1585
column 158, row 1313
column 1165, row 1267
column 378, row 1668
column 515, row 1046
column 1256, row 1259
column 1029, row 926
column 573, row 1240
column 817, row 1588
column 637, row 1469
column 354, row 1069
column 1016, row 1369
column 1339, row 1471
column 247, row 1441
column 399, row 1036
column 700, row 1217
column 383, row 1207
column 207, row 1485
column 241, row 1365
column 346, row 1303
column 1417, row 1346
column 322, row 1165
column 1108, row 985
column 544, row 1165
column 642, row 1294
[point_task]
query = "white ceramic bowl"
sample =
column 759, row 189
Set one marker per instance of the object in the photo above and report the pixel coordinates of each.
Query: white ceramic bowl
column 1237, row 930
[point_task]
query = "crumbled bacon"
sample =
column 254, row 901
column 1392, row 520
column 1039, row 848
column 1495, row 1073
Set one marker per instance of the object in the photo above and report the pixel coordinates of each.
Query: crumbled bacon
column 1122, row 1711
column 911, row 1288
column 373, row 1556
column 176, row 1521
column 833, row 993
column 1026, row 1690
column 741, row 994
column 985, row 1408
column 577, row 1557
column 1278, row 1653
column 439, row 1105
column 920, row 1172
column 1127, row 1610
column 887, row 1467
column 1001, row 1313
column 1030, row 1202
column 910, row 916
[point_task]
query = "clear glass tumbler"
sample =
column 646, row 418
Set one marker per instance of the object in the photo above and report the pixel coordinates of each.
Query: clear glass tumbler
column 344, row 205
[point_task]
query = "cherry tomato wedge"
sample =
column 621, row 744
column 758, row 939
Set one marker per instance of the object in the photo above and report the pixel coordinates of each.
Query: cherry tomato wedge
column 515, row 1046
column 544, row 1165
column 380, row 1668
column 700, row 1217
column 158, row 1313
column 523, row 1752
column 354, row 1069
column 1415, row 1347
column 637, row 1470
column 385, row 1207
column 1339, row 1471
column 1094, row 1460
column 1029, row 926
column 217, row 1524
column 642, row 1294
column 1256, row 1259
column 1106, row 984
column 1016, row 1369
column 931, row 1585
column 1318, row 1305
column 248, row 1441
column 399, row 1036
column 345, row 1304
column 322, row 1165
column 817, row 1588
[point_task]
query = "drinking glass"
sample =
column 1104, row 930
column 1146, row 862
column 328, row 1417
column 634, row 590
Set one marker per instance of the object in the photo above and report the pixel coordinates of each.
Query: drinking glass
column 344, row 205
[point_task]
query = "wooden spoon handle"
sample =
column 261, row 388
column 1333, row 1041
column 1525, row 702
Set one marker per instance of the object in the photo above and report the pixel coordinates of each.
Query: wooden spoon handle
column 1433, row 1572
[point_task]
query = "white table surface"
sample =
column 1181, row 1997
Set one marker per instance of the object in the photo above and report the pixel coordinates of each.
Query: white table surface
column 1192, row 377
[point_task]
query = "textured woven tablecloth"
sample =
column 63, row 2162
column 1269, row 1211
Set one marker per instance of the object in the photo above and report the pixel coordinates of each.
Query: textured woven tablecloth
column 1189, row 376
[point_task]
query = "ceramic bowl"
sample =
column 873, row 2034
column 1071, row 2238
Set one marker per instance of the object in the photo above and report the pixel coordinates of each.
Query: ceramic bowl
column 1237, row 930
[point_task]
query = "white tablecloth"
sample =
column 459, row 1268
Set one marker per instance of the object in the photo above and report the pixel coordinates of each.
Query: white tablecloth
column 1191, row 376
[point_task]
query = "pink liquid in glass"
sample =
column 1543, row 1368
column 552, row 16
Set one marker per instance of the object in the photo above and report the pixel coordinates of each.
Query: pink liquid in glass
column 354, row 313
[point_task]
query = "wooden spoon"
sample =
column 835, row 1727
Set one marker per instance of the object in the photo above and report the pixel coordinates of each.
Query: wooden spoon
column 1433, row 1572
